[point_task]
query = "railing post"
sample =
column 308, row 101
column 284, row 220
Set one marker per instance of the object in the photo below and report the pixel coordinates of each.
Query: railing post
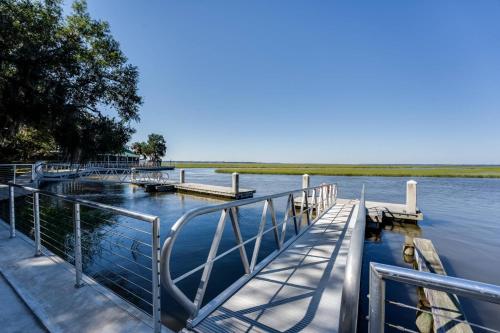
column 330, row 201
column 36, row 221
column 320, row 200
column 78, row 244
column 132, row 173
column 32, row 173
column 332, row 194
column 155, row 255
column 14, row 175
column 314, row 203
column 376, row 312
column 12, row 212
column 306, row 207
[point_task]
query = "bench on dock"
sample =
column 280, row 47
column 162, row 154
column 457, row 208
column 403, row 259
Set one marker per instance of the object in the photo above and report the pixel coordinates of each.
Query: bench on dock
column 444, row 307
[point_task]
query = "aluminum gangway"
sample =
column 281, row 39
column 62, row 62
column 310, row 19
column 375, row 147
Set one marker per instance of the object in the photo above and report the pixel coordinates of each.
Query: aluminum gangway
column 92, row 172
column 309, row 283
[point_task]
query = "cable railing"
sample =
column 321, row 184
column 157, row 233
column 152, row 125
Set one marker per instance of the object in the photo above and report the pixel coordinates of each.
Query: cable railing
column 117, row 247
column 112, row 173
column 303, row 208
column 17, row 172
column 380, row 273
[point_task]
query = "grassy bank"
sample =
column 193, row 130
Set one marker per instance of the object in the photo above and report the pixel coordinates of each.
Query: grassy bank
column 389, row 170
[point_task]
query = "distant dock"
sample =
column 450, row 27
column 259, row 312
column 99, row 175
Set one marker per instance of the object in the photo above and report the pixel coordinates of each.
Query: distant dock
column 224, row 192
column 213, row 190
column 408, row 212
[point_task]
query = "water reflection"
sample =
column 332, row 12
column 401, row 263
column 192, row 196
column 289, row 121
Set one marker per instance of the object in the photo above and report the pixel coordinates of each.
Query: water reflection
column 408, row 230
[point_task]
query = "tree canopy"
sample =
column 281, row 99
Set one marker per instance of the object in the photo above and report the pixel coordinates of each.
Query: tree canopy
column 64, row 77
column 154, row 149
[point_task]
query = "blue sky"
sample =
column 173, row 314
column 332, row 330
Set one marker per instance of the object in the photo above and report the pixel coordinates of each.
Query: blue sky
column 316, row 81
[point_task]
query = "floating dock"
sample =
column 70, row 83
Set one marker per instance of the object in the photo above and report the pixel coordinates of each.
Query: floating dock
column 378, row 211
column 223, row 192
column 213, row 190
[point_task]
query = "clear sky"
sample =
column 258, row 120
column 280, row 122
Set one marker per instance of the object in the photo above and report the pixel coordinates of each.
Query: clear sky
column 316, row 81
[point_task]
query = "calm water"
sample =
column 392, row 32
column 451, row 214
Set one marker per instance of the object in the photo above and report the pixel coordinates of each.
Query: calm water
column 460, row 217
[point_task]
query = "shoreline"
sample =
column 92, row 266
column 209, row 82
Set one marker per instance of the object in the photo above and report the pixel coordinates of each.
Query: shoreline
column 440, row 171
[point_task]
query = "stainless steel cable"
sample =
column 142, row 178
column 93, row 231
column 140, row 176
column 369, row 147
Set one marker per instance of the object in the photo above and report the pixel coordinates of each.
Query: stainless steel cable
column 122, row 267
column 406, row 306
column 122, row 288
column 401, row 328
column 120, row 256
column 125, row 279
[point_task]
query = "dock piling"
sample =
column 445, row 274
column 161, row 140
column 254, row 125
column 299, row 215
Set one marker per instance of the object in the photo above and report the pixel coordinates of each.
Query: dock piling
column 236, row 182
column 182, row 176
column 306, row 181
column 411, row 197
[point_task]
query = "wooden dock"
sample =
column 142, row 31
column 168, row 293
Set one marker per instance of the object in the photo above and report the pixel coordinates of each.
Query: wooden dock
column 300, row 290
column 444, row 307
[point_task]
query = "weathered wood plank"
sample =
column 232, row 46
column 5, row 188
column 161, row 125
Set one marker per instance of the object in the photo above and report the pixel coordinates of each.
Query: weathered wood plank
column 443, row 306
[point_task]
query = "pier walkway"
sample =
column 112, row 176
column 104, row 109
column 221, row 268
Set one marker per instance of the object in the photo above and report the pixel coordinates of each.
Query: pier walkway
column 300, row 290
column 47, row 285
column 14, row 307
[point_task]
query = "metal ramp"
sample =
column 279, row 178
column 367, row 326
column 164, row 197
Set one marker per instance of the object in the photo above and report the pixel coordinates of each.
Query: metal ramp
column 300, row 290
column 102, row 174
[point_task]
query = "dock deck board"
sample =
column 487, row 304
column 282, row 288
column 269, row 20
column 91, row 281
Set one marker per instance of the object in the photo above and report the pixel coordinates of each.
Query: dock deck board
column 378, row 210
column 214, row 190
column 300, row 290
column 443, row 306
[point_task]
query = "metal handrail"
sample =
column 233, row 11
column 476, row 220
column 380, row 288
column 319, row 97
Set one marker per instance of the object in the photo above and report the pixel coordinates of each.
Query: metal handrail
column 15, row 168
column 118, row 210
column 381, row 272
column 18, row 164
column 323, row 197
column 352, row 279
column 154, row 221
column 116, row 174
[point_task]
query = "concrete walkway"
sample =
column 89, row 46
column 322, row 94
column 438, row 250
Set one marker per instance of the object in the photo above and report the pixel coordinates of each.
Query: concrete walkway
column 15, row 316
column 46, row 284
column 300, row 290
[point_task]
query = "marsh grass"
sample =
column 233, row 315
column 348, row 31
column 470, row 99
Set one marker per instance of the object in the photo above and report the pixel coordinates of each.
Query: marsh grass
column 387, row 170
